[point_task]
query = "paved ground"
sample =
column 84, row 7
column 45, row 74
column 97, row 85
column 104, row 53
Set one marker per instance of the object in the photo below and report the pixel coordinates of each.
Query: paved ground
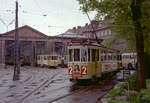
column 42, row 85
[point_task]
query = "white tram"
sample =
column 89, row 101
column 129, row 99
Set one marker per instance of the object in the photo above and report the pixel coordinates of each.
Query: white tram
column 88, row 60
column 49, row 60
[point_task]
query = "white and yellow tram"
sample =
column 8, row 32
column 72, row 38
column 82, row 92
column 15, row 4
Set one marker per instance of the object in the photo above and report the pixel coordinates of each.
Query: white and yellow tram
column 88, row 60
column 49, row 60
column 129, row 60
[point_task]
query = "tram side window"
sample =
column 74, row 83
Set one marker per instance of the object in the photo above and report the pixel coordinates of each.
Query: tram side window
column 83, row 54
column 105, row 55
column 54, row 57
column 115, row 57
column 97, row 54
column 109, row 56
column 119, row 57
column 48, row 57
column 70, row 54
column 93, row 54
column 89, row 55
column 44, row 57
column 102, row 54
column 76, row 54
column 38, row 57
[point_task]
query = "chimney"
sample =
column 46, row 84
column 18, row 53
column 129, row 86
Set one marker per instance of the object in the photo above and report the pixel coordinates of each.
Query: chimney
column 79, row 27
column 86, row 24
column 74, row 28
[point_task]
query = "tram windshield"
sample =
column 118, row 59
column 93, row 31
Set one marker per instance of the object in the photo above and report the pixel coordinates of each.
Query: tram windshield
column 76, row 54
column 83, row 54
column 79, row 54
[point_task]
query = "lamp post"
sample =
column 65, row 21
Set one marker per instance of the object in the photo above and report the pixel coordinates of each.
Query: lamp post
column 16, row 52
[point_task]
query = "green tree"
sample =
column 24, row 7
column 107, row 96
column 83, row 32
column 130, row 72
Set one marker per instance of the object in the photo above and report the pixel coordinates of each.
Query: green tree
column 131, row 23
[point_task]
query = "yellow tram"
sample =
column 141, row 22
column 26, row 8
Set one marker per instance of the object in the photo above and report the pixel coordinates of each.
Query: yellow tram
column 49, row 60
column 88, row 60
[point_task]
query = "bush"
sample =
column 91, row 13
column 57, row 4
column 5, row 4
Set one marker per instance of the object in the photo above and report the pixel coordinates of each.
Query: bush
column 144, row 96
column 117, row 101
column 132, row 81
column 119, row 90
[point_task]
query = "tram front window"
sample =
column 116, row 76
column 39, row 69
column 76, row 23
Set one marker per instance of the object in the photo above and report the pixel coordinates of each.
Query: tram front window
column 76, row 54
column 83, row 54
column 70, row 55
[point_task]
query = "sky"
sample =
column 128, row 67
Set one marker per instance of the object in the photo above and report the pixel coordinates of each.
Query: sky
column 51, row 17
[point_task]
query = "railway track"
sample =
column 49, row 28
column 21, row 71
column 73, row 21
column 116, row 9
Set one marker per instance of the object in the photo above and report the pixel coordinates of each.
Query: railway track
column 45, row 83
column 104, row 89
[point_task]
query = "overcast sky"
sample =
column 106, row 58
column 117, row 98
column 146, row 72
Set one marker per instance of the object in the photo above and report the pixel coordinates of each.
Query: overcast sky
column 51, row 17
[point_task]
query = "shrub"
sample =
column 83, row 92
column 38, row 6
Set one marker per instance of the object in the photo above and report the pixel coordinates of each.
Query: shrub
column 132, row 81
column 144, row 96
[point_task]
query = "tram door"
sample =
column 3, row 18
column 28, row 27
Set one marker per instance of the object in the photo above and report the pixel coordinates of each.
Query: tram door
column 95, row 58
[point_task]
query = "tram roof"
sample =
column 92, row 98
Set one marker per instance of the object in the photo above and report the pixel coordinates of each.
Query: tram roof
column 88, row 43
column 79, row 42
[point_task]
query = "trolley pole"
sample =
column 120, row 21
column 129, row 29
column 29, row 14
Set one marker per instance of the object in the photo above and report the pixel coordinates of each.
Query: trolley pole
column 16, row 50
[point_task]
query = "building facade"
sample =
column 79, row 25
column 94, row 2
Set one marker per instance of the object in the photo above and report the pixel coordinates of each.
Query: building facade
column 101, row 30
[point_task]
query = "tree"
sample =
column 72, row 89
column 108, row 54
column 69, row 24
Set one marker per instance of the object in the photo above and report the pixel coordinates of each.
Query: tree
column 131, row 23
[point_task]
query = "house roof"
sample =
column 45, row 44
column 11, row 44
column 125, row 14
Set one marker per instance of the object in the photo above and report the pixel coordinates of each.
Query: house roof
column 89, row 27
column 24, row 27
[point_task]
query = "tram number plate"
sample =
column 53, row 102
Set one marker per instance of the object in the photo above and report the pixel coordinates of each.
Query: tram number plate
column 70, row 70
column 84, row 70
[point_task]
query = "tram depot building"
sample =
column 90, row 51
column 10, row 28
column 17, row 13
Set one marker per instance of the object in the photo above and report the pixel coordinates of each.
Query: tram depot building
column 31, row 43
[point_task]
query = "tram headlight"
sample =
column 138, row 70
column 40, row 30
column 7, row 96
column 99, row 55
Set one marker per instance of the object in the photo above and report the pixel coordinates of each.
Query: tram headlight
column 76, row 68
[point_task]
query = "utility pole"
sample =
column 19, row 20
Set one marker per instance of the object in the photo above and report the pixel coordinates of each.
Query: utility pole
column 16, row 53
column 62, row 52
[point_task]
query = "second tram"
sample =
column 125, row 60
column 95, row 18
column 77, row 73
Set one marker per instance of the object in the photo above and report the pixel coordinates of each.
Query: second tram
column 49, row 60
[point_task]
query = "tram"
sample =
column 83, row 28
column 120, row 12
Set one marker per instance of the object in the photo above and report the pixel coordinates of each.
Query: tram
column 88, row 60
column 49, row 60
column 129, row 60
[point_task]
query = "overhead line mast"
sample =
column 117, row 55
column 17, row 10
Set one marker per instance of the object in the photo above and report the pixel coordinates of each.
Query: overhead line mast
column 16, row 53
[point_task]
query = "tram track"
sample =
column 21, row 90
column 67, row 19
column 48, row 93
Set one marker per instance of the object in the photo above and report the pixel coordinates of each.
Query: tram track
column 104, row 89
column 69, row 94
column 47, row 82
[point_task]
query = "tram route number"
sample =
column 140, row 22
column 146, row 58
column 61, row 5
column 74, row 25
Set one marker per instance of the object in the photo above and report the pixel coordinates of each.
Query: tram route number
column 70, row 70
column 84, row 70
